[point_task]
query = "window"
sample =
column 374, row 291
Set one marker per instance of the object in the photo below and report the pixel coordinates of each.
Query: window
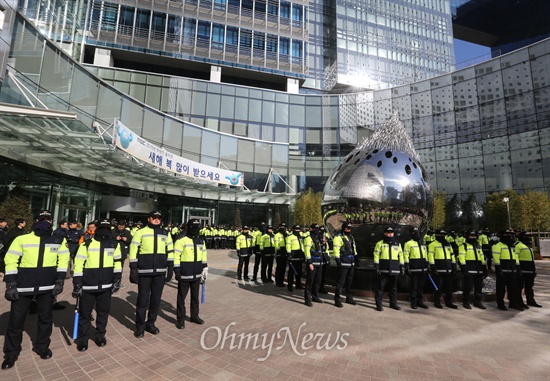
column 285, row 9
column 159, row 22
column 127, row 16
column 189, row 31
column 271, row 43
column 142, row 22
column 232, row 36
column 259, row 41
column 217, row 36
column 285, row 45
column 296, row 49
column 297, row 12
column 246, row 38
column 203, row 31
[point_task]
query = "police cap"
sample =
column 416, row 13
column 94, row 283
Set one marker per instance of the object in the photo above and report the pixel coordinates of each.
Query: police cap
column 314, row 226
column 44, row 215
column 269, row 227
column 193, row 223
column 246, row 227
column 346, row 225
column 389, row 229
column 155, row 214
column 104, row 223
column 296, row 227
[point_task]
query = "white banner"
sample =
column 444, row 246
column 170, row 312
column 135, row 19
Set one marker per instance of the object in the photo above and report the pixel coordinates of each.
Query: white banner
column 149, row 153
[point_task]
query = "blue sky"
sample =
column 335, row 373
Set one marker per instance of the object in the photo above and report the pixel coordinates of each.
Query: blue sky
column 465, row 51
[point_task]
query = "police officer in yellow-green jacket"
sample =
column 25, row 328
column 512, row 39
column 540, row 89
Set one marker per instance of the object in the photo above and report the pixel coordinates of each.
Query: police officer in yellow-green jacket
column 151, row 264
column 295, row 258
column 507, row 267
column 442, row 266
column 97, row 275
column 280, row 255
column 36, row 265
column 244, row 244
column 191, row 269
column 388, row 263
column 526, row 259
column 474, row 268
column 268, row 247
column 415, row 254
column 345, row 254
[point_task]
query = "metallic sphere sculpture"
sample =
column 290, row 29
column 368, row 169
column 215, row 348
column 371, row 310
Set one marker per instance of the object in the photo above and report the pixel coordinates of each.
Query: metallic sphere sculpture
column 380, row 183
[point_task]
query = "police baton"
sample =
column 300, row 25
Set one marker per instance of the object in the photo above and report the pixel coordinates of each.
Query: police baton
column 293, row 269
column 203, row 291
column 433, row 283
column 76, row 317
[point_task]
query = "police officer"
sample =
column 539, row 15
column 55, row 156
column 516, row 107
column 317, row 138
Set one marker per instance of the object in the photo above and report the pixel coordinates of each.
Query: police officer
column 280, row 255
column 526, row 259
column 36, row 265
column 191, row 269
column 483, row 241
column 97, row 274
column 388, row 263
column 507, row 268
column 313, row 251
column 267, row 246
column 442, row 265
column 244, row 244
column 474, row 268
column 345, row 253
column 415, row 254
column 258, row 234
column 295, row 257
column 151, row 264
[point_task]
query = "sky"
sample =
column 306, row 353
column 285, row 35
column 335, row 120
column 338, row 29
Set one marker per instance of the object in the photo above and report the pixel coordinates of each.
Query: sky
column 465, row 51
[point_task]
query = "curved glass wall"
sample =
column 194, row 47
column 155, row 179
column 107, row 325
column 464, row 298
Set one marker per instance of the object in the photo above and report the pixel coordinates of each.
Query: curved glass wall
column 60, row 83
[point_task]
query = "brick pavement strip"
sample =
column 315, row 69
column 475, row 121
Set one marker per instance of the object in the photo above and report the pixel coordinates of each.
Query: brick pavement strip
column 247, row 322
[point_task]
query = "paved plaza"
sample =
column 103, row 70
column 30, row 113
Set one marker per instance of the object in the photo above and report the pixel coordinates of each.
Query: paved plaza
column 259, row 332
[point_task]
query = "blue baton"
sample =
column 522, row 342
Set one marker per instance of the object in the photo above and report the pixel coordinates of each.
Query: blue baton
column 429, row 276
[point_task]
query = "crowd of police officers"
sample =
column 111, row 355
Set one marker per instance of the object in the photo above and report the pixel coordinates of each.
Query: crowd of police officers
column 37, row 264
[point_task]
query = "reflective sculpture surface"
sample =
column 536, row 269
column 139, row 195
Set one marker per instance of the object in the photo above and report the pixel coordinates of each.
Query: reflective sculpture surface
column 380, row 183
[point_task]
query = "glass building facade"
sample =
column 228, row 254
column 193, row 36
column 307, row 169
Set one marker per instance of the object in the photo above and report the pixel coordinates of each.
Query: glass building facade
column 481, row 129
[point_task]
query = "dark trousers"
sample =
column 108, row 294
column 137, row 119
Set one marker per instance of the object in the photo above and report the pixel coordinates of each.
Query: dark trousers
column 267, row 266
column 345, row 277
column 313, row 281
column 243, row 261
column 324, row 268
column 280, row 270
column 183, row 289
column 294, row 273
column 257, row 264
column 475, row 282
column 527, row 282
column 102, row 303
column 18, row 314
column 507, row 282
column 386, row 279
column 149, row 293
column 444, row 283
column 416, row 287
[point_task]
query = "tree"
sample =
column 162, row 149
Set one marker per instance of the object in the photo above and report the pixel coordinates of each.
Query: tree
column 16, row 206
column 438, row 219
column 237, row 219
column 496, row 210
column 534, row 211
column 307, row 209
